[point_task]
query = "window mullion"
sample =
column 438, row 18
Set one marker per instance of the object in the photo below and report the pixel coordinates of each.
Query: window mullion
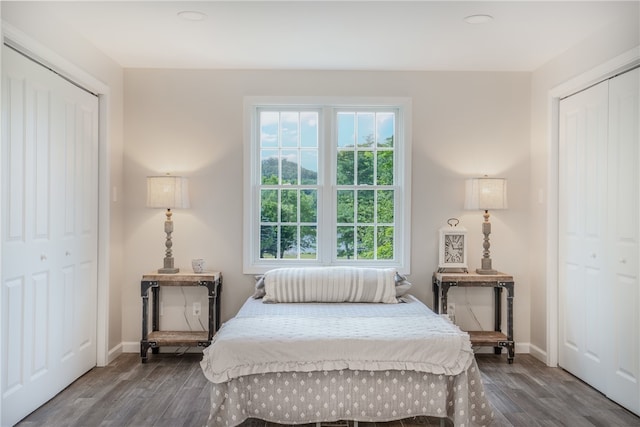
column 279, row 225
column 375, row 214
column 327, row 232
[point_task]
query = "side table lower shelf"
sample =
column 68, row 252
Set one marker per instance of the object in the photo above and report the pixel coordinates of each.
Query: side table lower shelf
column 178, row 339
column 488, row 338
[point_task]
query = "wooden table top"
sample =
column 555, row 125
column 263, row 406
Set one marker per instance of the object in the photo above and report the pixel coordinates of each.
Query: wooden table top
column 181, row 277
column 472, row 277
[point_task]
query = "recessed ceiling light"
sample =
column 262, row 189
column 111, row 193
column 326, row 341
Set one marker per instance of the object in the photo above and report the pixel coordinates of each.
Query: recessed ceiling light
column 478, row 19
column 192, row 15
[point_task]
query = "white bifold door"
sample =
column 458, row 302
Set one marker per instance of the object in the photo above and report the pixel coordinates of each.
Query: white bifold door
column 599, row 235
column 49, row 234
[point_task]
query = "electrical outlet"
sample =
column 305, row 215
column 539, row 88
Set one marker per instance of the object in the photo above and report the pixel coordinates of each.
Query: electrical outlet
column 451, row 311
column 197, row 308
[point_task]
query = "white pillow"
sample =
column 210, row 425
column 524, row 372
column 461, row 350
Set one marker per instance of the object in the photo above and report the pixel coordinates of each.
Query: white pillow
column 330, row 284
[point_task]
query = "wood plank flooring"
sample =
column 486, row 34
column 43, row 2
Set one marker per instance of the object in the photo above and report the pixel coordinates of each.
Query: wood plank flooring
column 171, row 391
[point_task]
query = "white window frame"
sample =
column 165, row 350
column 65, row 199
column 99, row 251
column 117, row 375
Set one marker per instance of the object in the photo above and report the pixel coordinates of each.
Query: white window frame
column 252, row 264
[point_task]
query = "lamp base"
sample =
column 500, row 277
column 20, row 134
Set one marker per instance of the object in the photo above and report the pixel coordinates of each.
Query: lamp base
column 168, row 266
column 483, row 271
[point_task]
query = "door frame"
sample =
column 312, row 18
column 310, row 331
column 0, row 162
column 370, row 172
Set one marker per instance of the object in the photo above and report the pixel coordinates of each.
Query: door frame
column 618, row 64
column 33, row 49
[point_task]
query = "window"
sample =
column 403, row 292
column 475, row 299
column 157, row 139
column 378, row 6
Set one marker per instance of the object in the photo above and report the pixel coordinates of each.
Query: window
column 326, row 183
column 288, row 187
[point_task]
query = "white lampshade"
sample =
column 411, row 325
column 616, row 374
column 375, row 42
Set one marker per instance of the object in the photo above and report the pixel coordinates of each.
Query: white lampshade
column 167, row 192
column 485, row 193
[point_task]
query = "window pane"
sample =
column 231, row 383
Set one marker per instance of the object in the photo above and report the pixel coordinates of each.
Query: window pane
column 345, row 169
column 268, row 241
column 309, row 129
column 365, row 129
column 345, row 207
column 309, row 206
column 289, row 167
column 385, row 206
column 308, row 242
column 365, row 242
column 269, row 128
column 345, row 242
column 309, row 163
column 346, row 129
column 289, row 206
column 269, row 205
column 385, row 167
column 289, row 241
column 365, row 168
column 289, row 129
column 365, row 206
column 385, row 127
column 293, row 177
column 269, row 167
column 385, row 243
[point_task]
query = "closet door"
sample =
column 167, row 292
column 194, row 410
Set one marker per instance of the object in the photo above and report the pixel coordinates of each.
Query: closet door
column 623, row 230
column 583, row 282
column 599, row 237
column 49, row 234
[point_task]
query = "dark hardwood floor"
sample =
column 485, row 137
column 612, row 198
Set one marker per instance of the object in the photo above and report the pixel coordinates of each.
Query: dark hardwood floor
column 170, row 391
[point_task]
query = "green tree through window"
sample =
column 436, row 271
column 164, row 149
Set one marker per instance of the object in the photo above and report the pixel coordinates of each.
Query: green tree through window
column 365, row 178
column 289, row 178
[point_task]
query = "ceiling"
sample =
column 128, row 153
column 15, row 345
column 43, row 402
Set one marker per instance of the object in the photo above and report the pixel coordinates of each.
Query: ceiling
column 333, row 35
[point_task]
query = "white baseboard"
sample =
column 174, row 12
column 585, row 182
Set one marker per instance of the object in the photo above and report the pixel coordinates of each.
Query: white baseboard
column 521, row 348
column 539, row 353
column 131, row 347
column 134, row 347
column 114, row 352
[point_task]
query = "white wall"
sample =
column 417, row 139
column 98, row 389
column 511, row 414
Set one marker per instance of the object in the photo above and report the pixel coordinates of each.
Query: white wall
column 608, row 43
column 190, row 122
column 27, row 19
column 464, row 124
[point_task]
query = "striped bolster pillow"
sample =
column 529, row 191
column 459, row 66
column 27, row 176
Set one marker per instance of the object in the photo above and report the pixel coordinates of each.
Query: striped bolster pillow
column 330, row 284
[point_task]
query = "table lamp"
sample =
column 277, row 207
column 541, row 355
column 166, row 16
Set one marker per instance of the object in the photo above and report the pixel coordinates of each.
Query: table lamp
column 168, row 192
column 486, row 193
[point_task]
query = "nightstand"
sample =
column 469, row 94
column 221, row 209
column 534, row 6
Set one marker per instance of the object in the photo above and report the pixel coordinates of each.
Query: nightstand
column 442, row 282
column 156, row 338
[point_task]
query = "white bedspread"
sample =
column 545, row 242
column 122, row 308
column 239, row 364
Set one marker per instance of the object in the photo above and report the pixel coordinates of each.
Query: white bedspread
column 306, row 337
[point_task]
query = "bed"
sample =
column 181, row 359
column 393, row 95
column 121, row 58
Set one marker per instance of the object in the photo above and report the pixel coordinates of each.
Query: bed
column 308, row 362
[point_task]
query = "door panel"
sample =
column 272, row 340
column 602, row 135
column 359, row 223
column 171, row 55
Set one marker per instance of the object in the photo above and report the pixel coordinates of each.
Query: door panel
column 624, row 219
column 49, row 263
column 582, row 225
column 599, row 226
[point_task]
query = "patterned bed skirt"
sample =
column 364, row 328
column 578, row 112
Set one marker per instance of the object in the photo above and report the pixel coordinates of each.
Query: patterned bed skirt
column 309, row 397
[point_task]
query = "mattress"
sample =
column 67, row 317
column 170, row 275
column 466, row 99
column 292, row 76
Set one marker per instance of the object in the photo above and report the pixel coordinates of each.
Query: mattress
column 300, row 363
column 289, row 337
